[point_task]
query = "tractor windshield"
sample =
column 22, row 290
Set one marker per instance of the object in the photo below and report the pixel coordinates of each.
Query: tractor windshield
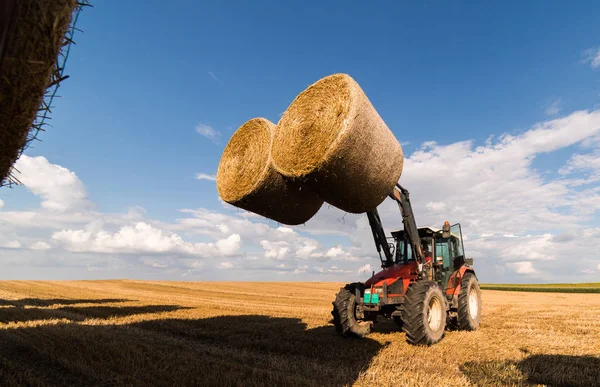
column 446, row 249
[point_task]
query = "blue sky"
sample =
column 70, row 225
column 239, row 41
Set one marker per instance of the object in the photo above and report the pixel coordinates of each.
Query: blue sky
column 145, row 75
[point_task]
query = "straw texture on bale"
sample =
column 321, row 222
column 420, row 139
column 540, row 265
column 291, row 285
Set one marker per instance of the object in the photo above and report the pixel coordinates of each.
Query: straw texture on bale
column 246, row 178
column 332, row 138
column 32, row 41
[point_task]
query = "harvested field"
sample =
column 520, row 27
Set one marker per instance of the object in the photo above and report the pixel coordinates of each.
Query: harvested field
column 175, row 333
column 590, row 287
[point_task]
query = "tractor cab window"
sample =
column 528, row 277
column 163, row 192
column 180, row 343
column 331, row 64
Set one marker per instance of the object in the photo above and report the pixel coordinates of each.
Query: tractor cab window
column 442, row 251
column 403, row 252
column 427, row 247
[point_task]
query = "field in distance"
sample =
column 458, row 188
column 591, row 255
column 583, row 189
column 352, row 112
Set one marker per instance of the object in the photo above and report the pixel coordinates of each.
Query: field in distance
column 589, row 287
column 129, row 333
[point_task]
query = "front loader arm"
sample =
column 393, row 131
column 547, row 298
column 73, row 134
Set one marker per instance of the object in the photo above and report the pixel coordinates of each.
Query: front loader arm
column 379, row 237
column 401, row 196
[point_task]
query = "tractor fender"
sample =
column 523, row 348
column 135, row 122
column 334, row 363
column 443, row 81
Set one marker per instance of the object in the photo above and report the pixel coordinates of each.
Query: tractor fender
column 453, row 285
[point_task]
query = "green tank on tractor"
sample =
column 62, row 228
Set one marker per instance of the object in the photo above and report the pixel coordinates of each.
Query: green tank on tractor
column 426, row 284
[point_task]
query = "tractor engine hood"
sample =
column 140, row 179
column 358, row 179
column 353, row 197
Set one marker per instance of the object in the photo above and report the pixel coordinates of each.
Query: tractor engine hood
column 392, row 273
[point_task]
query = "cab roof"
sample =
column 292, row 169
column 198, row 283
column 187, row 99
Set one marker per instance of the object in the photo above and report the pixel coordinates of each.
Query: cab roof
column 423, row 231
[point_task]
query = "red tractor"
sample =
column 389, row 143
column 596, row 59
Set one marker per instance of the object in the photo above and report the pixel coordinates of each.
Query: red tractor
column 426, row 283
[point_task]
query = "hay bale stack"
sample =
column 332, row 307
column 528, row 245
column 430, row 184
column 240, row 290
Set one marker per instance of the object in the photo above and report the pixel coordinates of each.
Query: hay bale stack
column 246, row 178
column 332, row 137
column 31, row 43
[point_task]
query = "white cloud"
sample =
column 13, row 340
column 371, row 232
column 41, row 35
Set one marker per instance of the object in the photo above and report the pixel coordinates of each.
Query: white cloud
column 525, row 267
column 510, row 213
column 553, row 108
column 366, row 269
column 436, row 206
column 229, row 245
column 589, row 162
column 41, row 246
column 334, row 252
column 307, row 249
column 11, row 245
column 592, row 56
column 208, row 132
column 214, row 77
column 300, row 269
column 1, row 203
column 60, row 189
column 275, row 250
column 142, row 238
column 598, row 267
column 205, row 176
column 225, row 265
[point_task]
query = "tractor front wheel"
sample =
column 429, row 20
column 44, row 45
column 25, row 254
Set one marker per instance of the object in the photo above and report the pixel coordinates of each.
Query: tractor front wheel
column 424, row 313
column 344, row 314
column 469, row 303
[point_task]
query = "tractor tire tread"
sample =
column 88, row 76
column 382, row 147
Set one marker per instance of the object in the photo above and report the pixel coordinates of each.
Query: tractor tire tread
column 464, row 320
column 343, row 318
column 412, row 314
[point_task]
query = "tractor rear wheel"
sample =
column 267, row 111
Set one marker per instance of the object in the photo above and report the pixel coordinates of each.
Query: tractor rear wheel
column 469, row 303
column 344, row 314
column 424, row 313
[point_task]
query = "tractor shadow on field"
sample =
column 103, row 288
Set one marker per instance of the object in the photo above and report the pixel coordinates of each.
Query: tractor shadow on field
column 251, row 350
column 550, row 370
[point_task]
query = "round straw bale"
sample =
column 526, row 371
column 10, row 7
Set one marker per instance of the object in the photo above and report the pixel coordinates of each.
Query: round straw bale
column 332, row 137
column 246, row 178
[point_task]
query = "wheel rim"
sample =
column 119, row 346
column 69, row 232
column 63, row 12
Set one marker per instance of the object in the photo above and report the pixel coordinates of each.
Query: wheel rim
column 434, row 314
column 473, row 303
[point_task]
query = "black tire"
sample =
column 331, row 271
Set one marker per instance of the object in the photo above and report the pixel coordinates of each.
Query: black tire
column 424, row 313
column 344, row 317
column 469, row 303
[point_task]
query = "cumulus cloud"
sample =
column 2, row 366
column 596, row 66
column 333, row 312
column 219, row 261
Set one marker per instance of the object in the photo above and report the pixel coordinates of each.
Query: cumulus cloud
column 60, row 189
column 334, row 252
column 1, row 203
column 142, row 238
column 10, row 245
column 524, row 267
column 436, row 206
column 518, row 222
column 307, row 249
column 300, row 269
column 225, row 265
column 275, row 250
column 40, row 246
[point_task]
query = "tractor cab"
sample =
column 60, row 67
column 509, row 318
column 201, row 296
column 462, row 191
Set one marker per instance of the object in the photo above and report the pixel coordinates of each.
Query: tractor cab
column 443, row 248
